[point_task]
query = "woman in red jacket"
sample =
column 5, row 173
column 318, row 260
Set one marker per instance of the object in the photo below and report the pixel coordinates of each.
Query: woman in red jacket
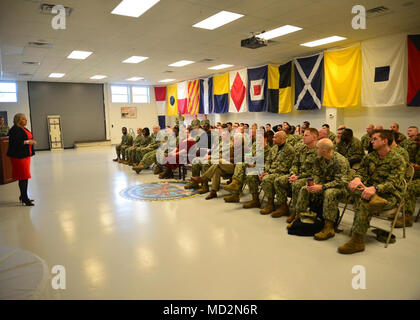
column 20, row 152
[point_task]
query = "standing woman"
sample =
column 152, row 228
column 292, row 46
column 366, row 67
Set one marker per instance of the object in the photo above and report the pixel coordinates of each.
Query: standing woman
column 20, row 153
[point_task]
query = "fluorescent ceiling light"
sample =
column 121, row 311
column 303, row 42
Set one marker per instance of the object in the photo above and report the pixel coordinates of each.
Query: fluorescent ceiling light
column 320, row 42
column 181, row 63
column 97, row 77
column 167, row 80
column 135, row 59
column 56, row 75
column 79, row 55
column 221, row 66
column 133, row 8
column 218, row 20
column 135, row 79
column 281, row 31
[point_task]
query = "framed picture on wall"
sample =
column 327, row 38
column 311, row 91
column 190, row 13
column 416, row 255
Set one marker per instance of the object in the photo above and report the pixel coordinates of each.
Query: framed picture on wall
column 128, row 112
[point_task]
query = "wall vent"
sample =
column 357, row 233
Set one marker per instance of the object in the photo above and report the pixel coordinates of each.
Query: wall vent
column 39, row 44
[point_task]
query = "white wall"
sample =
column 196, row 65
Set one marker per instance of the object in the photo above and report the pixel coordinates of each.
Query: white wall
column 21, row 106
column 357, row 118
column 146, row 115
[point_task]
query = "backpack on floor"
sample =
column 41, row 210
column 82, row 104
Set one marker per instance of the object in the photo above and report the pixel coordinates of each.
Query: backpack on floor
column 310, row 222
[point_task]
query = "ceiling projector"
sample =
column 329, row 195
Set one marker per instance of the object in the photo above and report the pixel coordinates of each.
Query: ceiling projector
column 254, row 43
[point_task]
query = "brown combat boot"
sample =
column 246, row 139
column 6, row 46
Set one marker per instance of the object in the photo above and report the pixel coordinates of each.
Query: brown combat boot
column 213, row 194
column 191, row 185
column 295, row 216
column 377, row 204
column 138, row 168
column 327, row 232
column 234, row 186
column 204, row 189
column 292, row 216
column 158, row 170
column 120, row 160
column 269, row 207
column 166, row 174
column 356, row 244
column 280, row 212
column 254, row 203
column 232, row 198
column 408, row 221
column 116, row 159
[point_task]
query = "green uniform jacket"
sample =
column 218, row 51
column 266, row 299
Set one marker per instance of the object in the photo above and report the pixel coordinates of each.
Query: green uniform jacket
column 179, row 119
column 303, row 163
column 412, row 150
column 195, row 123
column 332, row 136
column 387, row 174
column 365, row 141
column 126, row 140
column 203, row 122
column 333, row 173
column 280, row 160
column 138, row 141
column 352, row 150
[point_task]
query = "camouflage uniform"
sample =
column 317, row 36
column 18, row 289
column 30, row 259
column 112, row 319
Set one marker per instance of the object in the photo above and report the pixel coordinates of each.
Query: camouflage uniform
column 331, row 136
column 4, row 130
column 291, row 139
column 412, row 151
column 126, row 141
column 179, row 119
column 387, row 175
column 131, row 151
column 195, row 123
column 203, row 122
column 278, row 163
column 365, row 140
column 240, row 168
column 333, row 175
column 402, row 140
column 301, row 167
column 353, row 151
column 150, row 144
column 413, row 188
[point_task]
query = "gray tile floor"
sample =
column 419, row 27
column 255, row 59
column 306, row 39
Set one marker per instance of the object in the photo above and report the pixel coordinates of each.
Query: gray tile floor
column 113, row 248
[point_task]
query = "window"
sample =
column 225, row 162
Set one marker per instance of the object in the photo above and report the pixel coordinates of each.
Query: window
column 8, row 92
column 140, row 94
column 120, row 94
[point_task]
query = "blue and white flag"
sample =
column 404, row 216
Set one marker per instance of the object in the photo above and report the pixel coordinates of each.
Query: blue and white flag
column 257, row 89
column 206, row 96
column 308, row 82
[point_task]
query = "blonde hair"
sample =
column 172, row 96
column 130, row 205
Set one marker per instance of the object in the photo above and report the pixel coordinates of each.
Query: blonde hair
column 17, row 118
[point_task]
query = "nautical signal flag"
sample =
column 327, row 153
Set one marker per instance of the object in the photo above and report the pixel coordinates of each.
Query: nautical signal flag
column 172, row 100
column 308, row 82
column 343, row 75
column 413, row 93
column 221, row 93
column 193, row 97
column 238, row 95
column 160, row 97
column 206, row 96
column 257, row 89
column 285, row 88
column 182, row 96
column 273, row 88
column 383, row 71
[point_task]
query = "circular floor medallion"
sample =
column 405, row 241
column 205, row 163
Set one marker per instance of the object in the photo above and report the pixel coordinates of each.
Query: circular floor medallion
column 158, row 191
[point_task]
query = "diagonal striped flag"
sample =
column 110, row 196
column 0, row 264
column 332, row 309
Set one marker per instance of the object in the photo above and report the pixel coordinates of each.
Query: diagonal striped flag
column 308, row 82
column 193, row 97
